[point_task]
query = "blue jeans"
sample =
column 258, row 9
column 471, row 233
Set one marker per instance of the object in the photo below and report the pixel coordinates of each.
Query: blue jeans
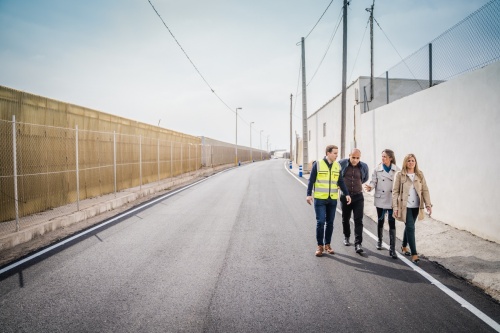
column 325, row 214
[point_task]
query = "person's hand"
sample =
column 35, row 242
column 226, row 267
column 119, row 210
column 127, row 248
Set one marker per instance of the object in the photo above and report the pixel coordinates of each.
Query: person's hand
column 395, row 212
column 368, row 188
column 348, row 199
column 429, row 210
column 309, row 199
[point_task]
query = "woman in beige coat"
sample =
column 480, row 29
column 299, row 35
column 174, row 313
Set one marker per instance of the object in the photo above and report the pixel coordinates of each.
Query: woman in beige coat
column 410, row 196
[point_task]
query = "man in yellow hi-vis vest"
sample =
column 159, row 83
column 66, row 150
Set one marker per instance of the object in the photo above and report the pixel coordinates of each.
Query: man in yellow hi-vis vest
column 326, row 179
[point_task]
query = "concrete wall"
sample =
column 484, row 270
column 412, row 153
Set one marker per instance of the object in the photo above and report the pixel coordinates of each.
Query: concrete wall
column 454, row 130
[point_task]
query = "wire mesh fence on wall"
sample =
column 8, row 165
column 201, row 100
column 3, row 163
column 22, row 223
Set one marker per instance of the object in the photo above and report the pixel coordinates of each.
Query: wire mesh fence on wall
column 45, row 168
column 472, row 43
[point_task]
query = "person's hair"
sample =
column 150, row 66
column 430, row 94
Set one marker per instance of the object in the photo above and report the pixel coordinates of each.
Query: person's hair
column 405, row 170
column 329, row 148
column 391, row 155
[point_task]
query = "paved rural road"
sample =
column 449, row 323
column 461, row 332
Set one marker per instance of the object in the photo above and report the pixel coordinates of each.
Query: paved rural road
column 234, row 253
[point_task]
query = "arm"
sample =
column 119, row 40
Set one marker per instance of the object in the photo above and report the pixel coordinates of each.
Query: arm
column 373, row 182
column 310, row 185
column 366, row 173
column 343, row 188
column 395, row 192
column 342, row 185
column 426, row 196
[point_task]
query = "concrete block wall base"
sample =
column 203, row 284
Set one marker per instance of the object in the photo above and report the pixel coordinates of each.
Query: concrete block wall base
column 102, row 205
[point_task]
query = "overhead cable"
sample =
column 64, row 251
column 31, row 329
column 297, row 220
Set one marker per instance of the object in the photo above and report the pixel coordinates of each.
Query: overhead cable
column 328, row 47
column 187, row 56
column 360, row 44
column 398, row 53
column 319, row 19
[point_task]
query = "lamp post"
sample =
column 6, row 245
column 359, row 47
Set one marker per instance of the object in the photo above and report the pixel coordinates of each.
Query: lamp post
column 261, row 144
column 236, row 145
column 251, row 159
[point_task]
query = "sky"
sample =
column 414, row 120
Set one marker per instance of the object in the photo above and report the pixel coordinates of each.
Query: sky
column 118, row 57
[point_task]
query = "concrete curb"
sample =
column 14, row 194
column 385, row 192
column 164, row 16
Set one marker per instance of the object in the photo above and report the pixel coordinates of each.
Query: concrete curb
column 103, row 204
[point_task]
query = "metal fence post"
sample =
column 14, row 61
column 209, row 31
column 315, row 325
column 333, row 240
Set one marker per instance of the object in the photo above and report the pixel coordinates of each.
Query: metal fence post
column 158, row 152
column 430, row 65
column 140, row 162
column 14, row 156
column 77, row 170
column 114, row 159
column 365, row 102
column 387, row 85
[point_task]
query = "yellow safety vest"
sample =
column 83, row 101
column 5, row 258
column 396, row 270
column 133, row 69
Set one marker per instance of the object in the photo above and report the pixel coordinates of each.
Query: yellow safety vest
column 326, row 180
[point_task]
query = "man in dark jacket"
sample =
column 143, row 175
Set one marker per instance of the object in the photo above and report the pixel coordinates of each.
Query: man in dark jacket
column 355, row 173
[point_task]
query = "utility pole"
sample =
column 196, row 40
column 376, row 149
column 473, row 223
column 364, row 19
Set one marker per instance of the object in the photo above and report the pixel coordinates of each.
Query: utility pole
column 370, row 10
column 344, row 78
column 305, row 157
column 291, row 96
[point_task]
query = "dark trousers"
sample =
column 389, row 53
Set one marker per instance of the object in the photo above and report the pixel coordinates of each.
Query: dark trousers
column 409, row 235
column 355, row 208
column 381, row 217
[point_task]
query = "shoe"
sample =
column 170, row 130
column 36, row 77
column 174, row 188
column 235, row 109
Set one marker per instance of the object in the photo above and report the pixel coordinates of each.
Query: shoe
column 379, row 245
column 319, row 251
column 404, row 250
column 328, row 249
column 414, row 259
column 346, row 241
column 393, row 254
column 358, row 248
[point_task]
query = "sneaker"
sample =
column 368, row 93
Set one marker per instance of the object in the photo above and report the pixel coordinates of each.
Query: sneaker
column 346, row 241
column 328, row 249
column 319, row 251
column 358, row 248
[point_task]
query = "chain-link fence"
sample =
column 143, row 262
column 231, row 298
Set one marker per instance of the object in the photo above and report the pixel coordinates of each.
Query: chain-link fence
column 44, row 168
column 472, row 43
column 55, row 157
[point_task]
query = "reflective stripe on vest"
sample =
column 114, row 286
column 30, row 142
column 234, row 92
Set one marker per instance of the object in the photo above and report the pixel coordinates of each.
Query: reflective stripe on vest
column 326, row 180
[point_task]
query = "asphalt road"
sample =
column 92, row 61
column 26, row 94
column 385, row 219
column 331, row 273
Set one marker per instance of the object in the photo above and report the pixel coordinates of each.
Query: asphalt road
column 234, row 253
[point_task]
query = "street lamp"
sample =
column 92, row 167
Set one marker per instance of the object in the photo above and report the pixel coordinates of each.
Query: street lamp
column 261, row 144
column 251, row 159
column 236, row 145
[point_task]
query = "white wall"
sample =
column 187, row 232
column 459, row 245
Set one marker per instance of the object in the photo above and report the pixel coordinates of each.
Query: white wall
column 454, row 130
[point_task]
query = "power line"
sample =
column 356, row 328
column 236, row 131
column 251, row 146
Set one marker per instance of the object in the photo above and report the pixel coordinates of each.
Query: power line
column 319, row 19
column 187, row 56
column 297, row 91
column 328, row 47
column 398, row 53
column 360, row 44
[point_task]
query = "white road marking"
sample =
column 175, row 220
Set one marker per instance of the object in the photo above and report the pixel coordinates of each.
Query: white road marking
column 478, row 313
